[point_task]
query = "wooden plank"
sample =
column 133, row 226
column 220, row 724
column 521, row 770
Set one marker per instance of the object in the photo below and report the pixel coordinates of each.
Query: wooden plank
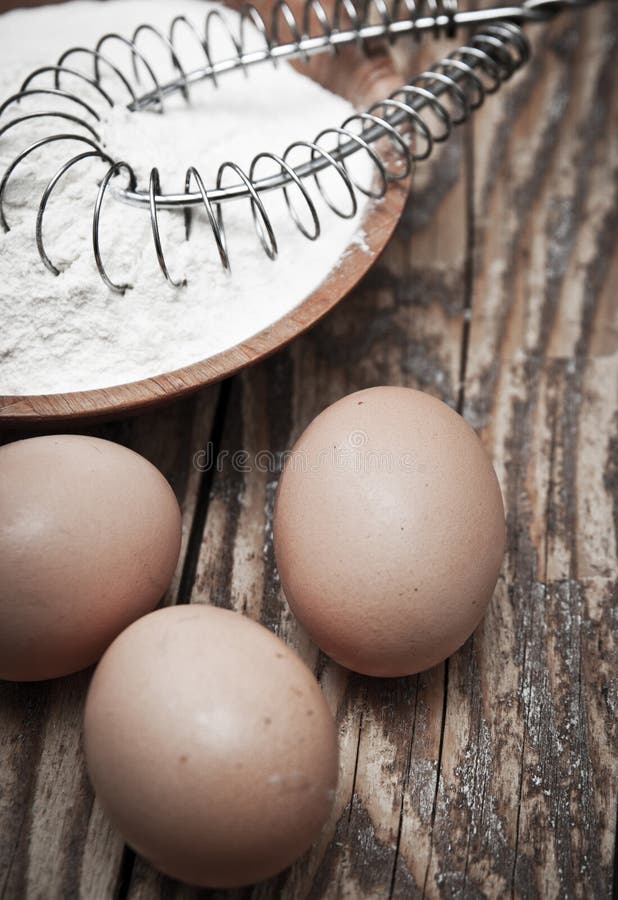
column 56, row 843
column 404, row 324
column 526, row 803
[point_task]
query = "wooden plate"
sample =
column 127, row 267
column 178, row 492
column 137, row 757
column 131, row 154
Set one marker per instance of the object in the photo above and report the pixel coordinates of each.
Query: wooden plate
column 379, row 222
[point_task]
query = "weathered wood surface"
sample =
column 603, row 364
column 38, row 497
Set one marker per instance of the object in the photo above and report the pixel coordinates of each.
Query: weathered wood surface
column 492, row 775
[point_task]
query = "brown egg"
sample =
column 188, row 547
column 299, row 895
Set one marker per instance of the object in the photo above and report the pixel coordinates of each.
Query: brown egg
column 389, row 531
column 89, row 539
column 210, row 746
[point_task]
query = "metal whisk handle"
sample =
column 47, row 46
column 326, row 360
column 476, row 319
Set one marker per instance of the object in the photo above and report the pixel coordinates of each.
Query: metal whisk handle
column 436, row 16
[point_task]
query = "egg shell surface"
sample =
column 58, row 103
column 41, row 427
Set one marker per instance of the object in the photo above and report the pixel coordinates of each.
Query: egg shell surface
column 389, row 531
column 89, row 540
column 210, row 746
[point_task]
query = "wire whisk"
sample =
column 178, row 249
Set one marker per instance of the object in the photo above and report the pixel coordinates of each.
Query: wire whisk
column 393, row 133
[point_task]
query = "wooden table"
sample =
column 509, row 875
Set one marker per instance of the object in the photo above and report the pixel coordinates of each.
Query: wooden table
column 494, row 774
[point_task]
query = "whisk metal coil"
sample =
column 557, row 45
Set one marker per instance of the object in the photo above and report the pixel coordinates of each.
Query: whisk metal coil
column 455, row 87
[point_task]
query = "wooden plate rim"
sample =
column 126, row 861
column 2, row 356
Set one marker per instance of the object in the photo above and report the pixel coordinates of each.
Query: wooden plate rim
column 379, row 223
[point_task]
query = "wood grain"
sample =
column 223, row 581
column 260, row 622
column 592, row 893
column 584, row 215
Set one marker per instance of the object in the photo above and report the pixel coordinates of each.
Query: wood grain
column 493, row 775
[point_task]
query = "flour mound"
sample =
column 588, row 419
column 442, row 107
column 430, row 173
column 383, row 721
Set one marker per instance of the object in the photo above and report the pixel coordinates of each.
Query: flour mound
column 70, row 332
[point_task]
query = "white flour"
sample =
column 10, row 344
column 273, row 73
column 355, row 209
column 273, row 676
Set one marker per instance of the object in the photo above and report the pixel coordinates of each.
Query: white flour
column 70, row 332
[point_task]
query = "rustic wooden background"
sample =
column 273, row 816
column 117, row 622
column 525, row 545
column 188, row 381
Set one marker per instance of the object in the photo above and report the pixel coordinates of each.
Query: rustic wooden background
column 494, row 774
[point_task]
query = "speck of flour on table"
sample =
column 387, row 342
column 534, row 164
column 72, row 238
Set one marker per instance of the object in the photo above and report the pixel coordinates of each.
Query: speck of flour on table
column 70, row 332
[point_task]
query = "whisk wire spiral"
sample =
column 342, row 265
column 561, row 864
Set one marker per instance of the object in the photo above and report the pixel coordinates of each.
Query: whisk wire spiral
column 393, row 133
